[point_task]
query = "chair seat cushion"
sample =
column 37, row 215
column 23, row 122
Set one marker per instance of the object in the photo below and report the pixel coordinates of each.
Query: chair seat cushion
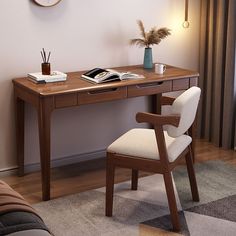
column 142, row 143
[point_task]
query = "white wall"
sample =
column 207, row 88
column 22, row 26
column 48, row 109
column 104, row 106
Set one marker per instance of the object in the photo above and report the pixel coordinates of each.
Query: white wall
column 82, row 35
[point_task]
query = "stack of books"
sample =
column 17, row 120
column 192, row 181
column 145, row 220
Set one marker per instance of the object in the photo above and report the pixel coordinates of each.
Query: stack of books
column 55, row 76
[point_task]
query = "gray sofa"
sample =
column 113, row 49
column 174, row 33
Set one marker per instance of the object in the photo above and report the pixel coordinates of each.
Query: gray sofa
column 17, row 217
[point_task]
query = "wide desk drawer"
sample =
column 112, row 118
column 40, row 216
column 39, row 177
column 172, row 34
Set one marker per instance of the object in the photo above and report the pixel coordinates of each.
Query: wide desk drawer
column 102, row 95
column 149, row 88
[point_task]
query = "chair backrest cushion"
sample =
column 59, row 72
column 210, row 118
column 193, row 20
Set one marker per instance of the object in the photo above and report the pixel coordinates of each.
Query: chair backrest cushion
column 186, row 106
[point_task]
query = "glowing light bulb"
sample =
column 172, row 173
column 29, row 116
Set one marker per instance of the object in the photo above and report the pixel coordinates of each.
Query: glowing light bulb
column 186, row 24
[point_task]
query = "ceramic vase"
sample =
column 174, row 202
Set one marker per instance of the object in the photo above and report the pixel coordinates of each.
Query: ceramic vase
column 147, row 61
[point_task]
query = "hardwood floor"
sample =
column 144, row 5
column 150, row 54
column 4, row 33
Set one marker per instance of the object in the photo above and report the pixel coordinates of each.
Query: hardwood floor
column 90, row 175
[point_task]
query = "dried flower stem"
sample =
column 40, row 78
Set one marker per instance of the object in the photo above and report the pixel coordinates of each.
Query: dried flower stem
column 154, row 36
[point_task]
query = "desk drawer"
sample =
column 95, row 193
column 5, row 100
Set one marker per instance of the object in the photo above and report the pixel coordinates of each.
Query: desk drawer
column 149, row 88
column 193, row 81
column 102, row 95
column 180, row 84
column 65, row 100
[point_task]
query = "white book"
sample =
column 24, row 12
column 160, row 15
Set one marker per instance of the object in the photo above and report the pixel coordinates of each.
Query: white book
column 55, row 76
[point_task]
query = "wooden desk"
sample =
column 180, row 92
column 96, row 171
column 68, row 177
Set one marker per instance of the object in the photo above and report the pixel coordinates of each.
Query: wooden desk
column 75, row 92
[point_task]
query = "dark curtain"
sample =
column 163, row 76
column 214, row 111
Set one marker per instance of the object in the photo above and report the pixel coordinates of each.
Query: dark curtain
column 217, row 110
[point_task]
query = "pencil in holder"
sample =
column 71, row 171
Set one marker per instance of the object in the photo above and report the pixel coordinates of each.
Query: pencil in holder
column 46, row 68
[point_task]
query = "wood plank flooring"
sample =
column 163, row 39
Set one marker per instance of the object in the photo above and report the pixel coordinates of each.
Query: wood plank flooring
column 90, row 175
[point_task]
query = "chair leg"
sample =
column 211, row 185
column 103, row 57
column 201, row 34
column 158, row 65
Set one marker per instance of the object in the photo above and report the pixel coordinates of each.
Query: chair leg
column 191, row 175
column 134, row 181
column 110, row 175
column 171, row 201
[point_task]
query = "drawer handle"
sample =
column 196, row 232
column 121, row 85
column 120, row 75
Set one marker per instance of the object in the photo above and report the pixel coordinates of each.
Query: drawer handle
column 149, row 85
column 102, row 91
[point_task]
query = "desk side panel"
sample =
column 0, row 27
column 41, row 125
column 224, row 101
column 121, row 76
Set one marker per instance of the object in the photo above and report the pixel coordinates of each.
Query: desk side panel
column 26, row 95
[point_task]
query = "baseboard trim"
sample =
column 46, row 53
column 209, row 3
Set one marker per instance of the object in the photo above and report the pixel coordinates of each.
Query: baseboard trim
column 8, row 171
column 57, row 162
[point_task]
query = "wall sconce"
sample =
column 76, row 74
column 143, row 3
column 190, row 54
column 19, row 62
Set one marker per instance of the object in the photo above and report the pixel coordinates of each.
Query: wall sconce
column 186, row 22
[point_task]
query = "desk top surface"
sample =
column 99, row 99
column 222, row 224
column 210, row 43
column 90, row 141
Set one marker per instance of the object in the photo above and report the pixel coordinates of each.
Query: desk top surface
column 74, row 83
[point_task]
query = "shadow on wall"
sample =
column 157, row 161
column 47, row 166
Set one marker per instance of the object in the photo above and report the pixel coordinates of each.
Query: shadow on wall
column 118, row 37
column 50, row 13
column 7, row 117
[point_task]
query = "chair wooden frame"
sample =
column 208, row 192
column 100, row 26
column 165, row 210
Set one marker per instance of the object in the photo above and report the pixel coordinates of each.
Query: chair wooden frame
column 162, row 166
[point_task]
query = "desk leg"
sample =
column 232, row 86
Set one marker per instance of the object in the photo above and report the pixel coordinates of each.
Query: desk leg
column 155, row 106
column 44, row 125
column 156, row 103
column 20, row 131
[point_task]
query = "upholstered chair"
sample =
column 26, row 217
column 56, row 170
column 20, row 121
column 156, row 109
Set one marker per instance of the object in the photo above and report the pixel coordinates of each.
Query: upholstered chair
column 157, row 150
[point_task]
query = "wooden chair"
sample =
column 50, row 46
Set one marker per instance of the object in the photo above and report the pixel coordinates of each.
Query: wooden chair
column 155, row 150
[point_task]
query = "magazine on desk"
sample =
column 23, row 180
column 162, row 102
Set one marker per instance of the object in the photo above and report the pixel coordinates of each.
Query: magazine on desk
column 38, row 77
column 98, row 75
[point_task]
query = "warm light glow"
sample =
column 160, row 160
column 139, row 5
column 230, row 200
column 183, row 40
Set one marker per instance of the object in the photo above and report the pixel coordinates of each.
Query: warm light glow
column 185, row 24
column 176, row 21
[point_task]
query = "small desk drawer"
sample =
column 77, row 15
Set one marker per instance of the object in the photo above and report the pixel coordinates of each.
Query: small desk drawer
column 193, row 81
column 149, row 88
column 65, row 100
column 102, row 95
column 180, row 84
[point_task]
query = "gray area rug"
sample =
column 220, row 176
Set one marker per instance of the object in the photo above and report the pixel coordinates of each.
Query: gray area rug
column 83, row 213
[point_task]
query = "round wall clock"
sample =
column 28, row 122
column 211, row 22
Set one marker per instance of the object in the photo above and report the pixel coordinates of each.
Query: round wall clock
column 47, row 3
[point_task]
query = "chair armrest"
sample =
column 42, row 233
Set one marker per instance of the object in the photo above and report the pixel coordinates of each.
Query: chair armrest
column 167, row 100
column 155, row 119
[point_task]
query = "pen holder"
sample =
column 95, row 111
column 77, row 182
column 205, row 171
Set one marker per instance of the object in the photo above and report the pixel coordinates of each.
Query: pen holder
column 46, row 68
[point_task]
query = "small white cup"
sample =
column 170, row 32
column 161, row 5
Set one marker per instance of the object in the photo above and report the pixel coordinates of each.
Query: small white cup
column 160, row 68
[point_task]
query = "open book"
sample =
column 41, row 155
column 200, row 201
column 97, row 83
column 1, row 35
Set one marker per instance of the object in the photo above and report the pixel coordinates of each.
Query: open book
column 98, row 75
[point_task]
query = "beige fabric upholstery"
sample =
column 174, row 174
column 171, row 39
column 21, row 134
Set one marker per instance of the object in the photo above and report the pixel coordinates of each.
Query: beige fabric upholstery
column 142, row 143
column 186, row 106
